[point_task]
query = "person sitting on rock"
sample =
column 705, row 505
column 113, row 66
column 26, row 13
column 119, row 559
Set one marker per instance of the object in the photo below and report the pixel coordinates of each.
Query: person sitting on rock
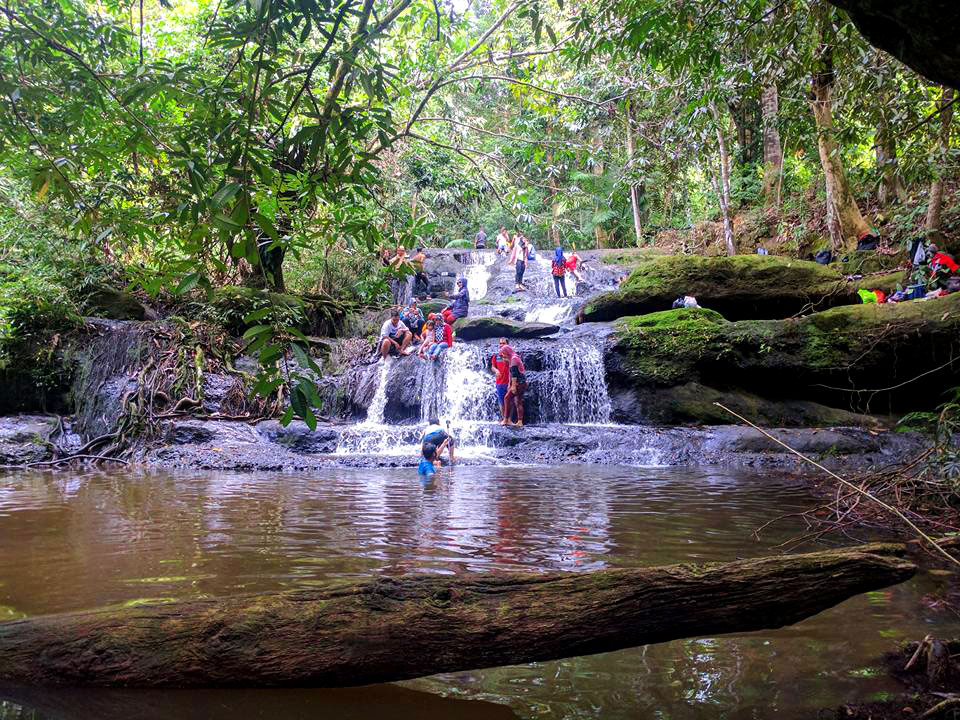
column 413, row 318
column 460, row 305
column 442, row 338
column 428, row 336
column 394, row 336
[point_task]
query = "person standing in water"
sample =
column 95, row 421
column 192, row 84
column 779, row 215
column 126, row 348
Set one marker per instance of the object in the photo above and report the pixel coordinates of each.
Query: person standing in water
column 501, row 369
column 426, row 467
column 438, row 437
column 558, row 268
column 517, row 389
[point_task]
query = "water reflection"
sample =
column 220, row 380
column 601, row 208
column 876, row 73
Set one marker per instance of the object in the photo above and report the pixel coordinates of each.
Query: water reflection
column 80, row 541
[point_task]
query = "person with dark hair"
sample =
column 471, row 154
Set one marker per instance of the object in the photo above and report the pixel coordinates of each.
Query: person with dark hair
column 429, row 452
column 413, row 318
column 518, row 386
column 394, row 336
column 442, row 338
column 460, row 306
column 501, row 368
column 558, row 268
column 421, row 285
column 480, row 241
column 519, row 257
column 438, row 437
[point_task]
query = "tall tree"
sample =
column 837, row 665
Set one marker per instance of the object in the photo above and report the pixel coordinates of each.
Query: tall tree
column 839, row 195
column 634, row 193
column 935, row 203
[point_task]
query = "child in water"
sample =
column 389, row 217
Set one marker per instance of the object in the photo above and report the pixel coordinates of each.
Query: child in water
column 426, row 464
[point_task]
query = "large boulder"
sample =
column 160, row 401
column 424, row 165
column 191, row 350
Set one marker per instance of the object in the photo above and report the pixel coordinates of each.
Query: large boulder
column 739, row 287
column 481, row 328
column 869, row 358
column 106, row 302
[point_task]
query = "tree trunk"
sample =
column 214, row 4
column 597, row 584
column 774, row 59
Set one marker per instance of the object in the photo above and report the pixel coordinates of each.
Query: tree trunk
column 387, row 628
column 634, row 198
column 723, row 191
column 850, row 220
column 891, row 187
column 935, row 203
column 772, row 151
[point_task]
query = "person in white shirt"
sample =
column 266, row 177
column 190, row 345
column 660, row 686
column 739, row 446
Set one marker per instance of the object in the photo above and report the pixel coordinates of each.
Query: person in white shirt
column 394, row 336
column 518, row 258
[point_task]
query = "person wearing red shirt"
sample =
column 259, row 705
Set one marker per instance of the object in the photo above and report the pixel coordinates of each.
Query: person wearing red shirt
column 518, row 386
column 443, row 336
column 501, row 368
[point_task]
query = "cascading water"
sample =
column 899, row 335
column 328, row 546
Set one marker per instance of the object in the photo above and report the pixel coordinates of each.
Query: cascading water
column 553, row 314
column 572, row 387
column 478, row 273
column 454, row 389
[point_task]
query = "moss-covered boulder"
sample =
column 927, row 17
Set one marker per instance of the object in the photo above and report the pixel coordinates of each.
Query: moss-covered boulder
column 111, row 304
column 481, row 328
column 738, row 287
column 864, row 358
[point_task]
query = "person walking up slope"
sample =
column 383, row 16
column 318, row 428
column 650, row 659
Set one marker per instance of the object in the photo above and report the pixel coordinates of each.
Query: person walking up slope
column 558, row 268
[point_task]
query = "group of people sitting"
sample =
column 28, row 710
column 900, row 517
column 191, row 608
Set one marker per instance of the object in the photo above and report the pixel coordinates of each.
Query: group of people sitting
column 433, row 333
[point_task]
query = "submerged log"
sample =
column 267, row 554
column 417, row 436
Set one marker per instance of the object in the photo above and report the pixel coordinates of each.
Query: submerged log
column 385, row 628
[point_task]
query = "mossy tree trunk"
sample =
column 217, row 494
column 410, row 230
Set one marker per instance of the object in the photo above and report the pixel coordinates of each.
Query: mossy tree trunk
column 935, row 202
column 384, row 629
column 891, row 187
column 848, row 216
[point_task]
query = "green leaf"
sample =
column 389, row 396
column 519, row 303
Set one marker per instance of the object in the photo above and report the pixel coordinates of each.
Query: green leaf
column 189, row 282
column 257, row 315
column 225, row 194
column 256, row 329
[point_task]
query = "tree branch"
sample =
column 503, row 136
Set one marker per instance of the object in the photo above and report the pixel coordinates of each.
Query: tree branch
column 463, row 154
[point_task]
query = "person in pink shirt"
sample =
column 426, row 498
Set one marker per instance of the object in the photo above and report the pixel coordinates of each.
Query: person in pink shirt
column 517, row 388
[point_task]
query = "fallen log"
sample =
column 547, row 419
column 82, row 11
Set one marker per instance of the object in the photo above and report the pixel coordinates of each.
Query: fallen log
column 394, row 628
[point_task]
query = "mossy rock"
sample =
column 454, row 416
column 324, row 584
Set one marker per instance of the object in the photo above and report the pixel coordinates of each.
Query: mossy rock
column 630, row 257
column 739, row 287
column 432, row 306
column 111, row 304
column 481, row 328
column 869, row 261
column 695, row 404
column 837, row 357
column 887, row 282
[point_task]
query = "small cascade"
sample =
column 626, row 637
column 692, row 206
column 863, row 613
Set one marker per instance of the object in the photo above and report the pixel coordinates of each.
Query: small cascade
column 478, row 273
column 455, row 389
column 379, row 401
column 553, row 314
column 572, row 388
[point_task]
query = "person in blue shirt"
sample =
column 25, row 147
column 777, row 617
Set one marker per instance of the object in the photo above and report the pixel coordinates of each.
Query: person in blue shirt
column 426, row 467
column 438, row 437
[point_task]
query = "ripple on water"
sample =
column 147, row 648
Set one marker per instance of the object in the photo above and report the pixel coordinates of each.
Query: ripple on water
column 86, row 540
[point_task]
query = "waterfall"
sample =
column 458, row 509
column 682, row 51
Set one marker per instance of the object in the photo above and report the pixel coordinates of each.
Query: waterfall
column 572, row 388
column 456, row 389
column 477, row 273
column 379, row 401
column 553, row 314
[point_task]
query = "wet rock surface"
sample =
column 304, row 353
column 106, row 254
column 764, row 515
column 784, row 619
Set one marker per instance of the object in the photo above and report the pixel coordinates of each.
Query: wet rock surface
column 482, row 328
column 269, row 446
